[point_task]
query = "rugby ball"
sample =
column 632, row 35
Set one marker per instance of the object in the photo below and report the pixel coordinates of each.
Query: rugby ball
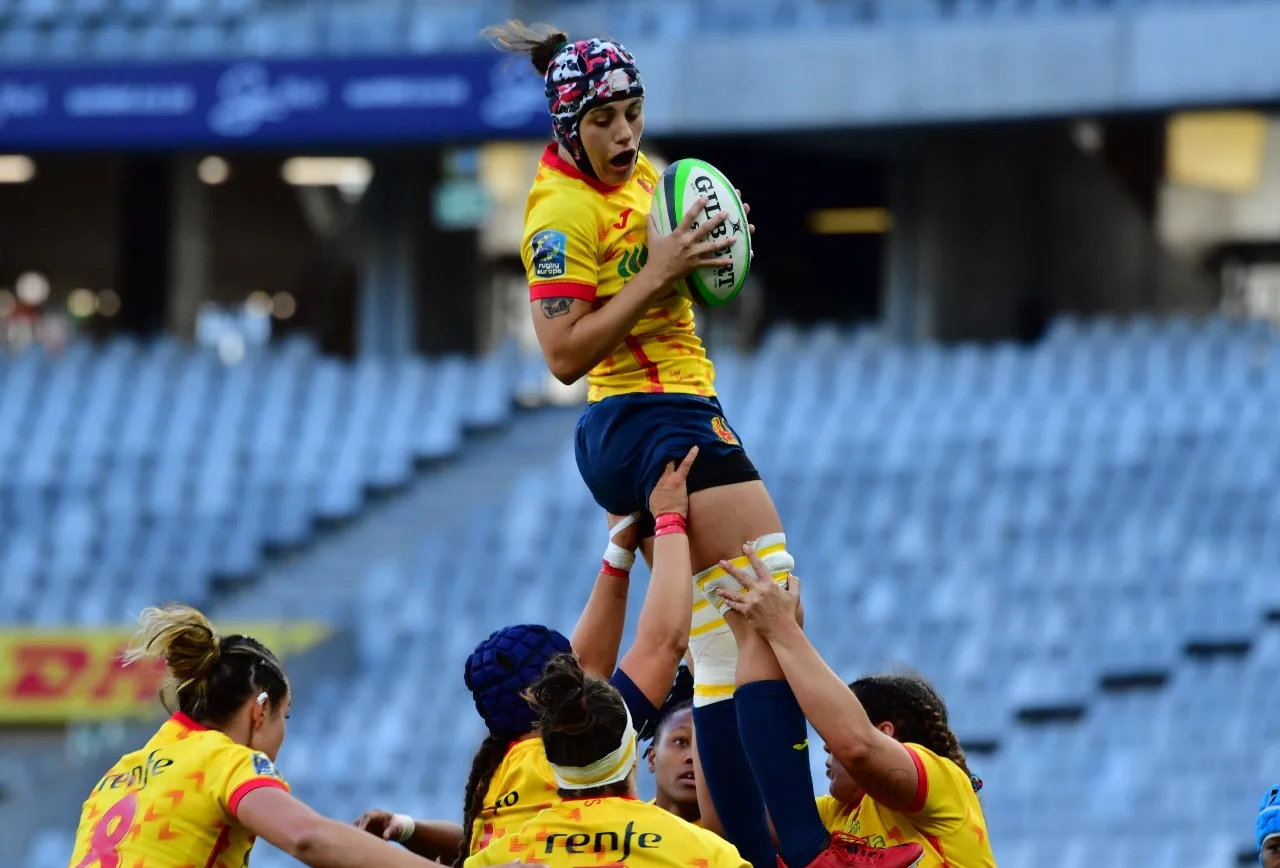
column 678, row 188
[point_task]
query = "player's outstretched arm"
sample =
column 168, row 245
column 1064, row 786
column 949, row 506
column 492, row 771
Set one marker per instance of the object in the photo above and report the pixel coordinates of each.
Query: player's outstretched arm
column 598, row 635
column 431, row 839
column 662, row 632
column 316, row 841
column 881, row 765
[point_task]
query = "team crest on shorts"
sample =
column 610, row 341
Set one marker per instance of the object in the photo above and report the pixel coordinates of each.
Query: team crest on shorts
column 724, row 432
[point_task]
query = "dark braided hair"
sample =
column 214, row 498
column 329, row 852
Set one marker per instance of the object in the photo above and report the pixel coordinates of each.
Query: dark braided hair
column 486, row 763
column 210, row 676
column 917, row 712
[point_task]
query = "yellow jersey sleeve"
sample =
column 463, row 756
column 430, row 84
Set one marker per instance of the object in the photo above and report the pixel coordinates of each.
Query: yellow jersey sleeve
column 561, row 247
column 235, row 771
column 942, row 795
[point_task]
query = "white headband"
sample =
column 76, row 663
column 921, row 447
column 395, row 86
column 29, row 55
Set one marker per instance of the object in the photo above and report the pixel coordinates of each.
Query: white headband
column 609, row 769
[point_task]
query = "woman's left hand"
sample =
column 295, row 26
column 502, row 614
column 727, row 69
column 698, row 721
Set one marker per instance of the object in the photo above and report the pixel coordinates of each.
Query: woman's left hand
column 764, row 603
column 747, row 209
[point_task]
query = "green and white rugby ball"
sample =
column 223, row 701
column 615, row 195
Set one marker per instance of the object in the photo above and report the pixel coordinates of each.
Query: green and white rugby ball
column 678, row 188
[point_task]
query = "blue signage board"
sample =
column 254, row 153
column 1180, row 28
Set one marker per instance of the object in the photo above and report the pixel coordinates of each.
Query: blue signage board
column 297, row 103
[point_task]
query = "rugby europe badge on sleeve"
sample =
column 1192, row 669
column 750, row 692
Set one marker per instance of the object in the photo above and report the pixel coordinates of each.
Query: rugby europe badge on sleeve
column 678, row 188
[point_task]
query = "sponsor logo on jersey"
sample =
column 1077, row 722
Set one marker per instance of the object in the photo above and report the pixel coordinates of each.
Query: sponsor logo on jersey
column 548, row 252
column 137, row 777
column 620, row 841
column 725, row 433
column 632, row 261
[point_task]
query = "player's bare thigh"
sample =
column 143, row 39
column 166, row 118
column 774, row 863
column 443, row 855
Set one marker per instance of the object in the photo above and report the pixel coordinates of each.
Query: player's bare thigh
column 724, row 518
column 721, row 520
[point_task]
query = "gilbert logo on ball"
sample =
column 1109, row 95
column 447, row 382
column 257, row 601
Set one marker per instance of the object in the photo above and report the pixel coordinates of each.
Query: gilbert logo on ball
column 680, row 185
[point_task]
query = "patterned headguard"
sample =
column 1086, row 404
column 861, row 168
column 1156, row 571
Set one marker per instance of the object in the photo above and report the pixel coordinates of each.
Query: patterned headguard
column 1268, row 822
column 582, row 76
column 505, row 665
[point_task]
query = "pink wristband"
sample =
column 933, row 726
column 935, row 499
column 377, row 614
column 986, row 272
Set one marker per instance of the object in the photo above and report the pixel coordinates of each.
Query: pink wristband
column 669, row 522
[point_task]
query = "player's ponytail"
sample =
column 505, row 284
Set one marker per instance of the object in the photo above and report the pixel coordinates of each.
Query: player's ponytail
column 181, row 636
column 581, row 718
column 483, row 767
column 917, row 712
column 210, row 676
column 539, row 41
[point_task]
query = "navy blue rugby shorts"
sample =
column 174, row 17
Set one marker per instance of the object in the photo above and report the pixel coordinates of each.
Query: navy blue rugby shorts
column 623, row 444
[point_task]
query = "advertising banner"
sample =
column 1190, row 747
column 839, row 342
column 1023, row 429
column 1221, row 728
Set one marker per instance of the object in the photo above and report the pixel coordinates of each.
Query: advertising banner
column 63, row 676
column 299, row 103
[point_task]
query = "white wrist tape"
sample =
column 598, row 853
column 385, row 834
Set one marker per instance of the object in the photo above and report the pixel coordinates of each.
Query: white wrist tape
column 407, row 827
column 615, row 555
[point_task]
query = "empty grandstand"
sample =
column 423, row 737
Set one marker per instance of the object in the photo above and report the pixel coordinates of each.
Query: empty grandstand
column 1071, row 539
column 1007, row 360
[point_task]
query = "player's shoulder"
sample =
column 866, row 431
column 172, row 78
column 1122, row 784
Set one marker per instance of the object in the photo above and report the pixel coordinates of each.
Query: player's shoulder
column 229, row 757
column 946, row 783
column 934, row 763
column 525, row 760
column 529, row 753
column 561, row 200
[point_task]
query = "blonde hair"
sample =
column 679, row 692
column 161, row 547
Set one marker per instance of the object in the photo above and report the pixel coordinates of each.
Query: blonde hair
column 539, row 41
column 210, row 676
column 179, row 635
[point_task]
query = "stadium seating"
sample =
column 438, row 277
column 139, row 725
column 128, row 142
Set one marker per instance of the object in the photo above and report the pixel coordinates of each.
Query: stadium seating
column 40, row 31
column 1074, row 540
column 139, row 468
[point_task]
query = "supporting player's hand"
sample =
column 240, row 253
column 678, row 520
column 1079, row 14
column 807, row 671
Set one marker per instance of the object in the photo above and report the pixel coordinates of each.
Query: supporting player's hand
column 764, row 603
column 384, row 824
column 687, row 248
column 671, row 494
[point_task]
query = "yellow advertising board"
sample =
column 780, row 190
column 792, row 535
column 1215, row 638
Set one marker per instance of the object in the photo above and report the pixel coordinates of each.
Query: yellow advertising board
column 69, row 675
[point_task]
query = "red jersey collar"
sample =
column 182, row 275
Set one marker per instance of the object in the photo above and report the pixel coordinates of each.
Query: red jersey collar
column 184, row 721
column 551, row 159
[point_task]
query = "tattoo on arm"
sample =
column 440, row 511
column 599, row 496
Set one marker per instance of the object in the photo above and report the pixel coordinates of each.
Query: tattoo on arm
column 899, row 778
column 554, row 307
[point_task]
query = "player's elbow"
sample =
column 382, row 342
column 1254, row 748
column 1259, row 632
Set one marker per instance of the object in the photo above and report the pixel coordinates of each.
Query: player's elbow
column 304, row 840
column 565, row 368
column 852, row 749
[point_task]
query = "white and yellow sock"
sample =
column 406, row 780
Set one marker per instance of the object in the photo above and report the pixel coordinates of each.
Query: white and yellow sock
column 711, row 644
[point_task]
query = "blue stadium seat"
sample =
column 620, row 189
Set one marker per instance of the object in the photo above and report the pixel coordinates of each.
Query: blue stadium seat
column 1080, row 533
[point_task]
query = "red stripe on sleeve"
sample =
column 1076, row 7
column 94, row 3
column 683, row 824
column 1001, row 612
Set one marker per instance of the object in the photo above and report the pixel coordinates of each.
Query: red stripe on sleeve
column 922, row 783
column 248, row 787
column 563, row 289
